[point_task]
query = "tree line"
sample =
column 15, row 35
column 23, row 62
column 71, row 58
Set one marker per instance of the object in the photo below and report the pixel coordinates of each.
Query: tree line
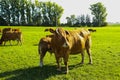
column 26, row 12
column 99, row 17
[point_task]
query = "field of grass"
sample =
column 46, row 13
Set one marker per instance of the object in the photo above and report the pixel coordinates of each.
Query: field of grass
column 22, row 62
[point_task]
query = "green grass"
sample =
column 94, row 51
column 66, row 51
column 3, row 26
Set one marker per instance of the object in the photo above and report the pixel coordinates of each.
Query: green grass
column 22, row 62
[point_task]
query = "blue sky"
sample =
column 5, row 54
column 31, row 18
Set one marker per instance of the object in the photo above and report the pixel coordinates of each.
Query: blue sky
column 79, row 7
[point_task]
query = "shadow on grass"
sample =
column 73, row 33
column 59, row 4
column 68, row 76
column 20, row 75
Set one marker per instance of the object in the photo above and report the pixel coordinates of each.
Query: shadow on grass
column 34, row 73
column 9, row 45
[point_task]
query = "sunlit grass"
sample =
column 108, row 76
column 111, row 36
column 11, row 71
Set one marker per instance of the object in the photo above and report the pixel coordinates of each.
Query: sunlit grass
column 22, row 62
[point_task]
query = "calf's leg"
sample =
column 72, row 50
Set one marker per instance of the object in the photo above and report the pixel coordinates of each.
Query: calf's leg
column 66, row 67
column 42, row 54
column 66, row 63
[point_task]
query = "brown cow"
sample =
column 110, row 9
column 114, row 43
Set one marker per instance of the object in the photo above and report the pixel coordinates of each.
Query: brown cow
column 10, row 35
column 92, row 30
column 44, row 46
column 65, row 42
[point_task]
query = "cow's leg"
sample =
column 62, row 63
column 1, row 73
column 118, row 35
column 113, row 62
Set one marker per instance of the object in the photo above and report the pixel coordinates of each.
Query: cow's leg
column 4, row 43
column 87, row 45
column 66, row 64
column 42, row 54
column 58, row 64
column 89, row 54
column 17, row 42
column 58, row 60
column 20, row 42
column 82, row 55
column 10, row 42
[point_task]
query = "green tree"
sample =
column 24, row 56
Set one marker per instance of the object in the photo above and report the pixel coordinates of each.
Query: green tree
column 99, row 12
column 29, row 12
column 56, row 12
column 5, row 10
column 24, row 12
column 82, row 20
column 88, row 21
column 71, row 21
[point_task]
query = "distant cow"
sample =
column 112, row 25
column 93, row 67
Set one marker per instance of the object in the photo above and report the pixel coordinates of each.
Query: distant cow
column 44, row 46
column 66, row 42
column 92, row 30
column 8, row 36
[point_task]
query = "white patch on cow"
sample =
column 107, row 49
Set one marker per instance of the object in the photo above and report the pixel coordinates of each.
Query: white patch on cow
column 65, row 45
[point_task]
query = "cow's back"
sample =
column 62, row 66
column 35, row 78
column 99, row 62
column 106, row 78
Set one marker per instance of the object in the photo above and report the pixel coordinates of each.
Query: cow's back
column 77, row 42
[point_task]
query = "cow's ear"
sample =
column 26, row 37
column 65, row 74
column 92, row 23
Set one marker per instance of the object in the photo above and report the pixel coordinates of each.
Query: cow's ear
column 67, row 32
column 50, row 29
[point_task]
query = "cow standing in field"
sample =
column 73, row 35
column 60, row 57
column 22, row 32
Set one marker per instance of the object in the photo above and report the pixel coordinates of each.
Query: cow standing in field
column 65, row 42
column 8, row 35
column 92, row 30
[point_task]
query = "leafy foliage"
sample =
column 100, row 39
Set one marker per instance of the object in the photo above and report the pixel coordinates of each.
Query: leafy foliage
column 79, row 20
column 99, row 12
column 25, row 12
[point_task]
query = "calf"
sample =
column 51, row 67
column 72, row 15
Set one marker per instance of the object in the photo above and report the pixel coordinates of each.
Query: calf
column 44, row 46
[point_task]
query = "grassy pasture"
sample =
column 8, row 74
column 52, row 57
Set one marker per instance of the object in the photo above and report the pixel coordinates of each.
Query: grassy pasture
column 22, row 62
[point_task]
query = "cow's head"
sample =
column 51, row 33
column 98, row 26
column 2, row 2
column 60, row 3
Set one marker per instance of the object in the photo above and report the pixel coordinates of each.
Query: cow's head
column 60, row 36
